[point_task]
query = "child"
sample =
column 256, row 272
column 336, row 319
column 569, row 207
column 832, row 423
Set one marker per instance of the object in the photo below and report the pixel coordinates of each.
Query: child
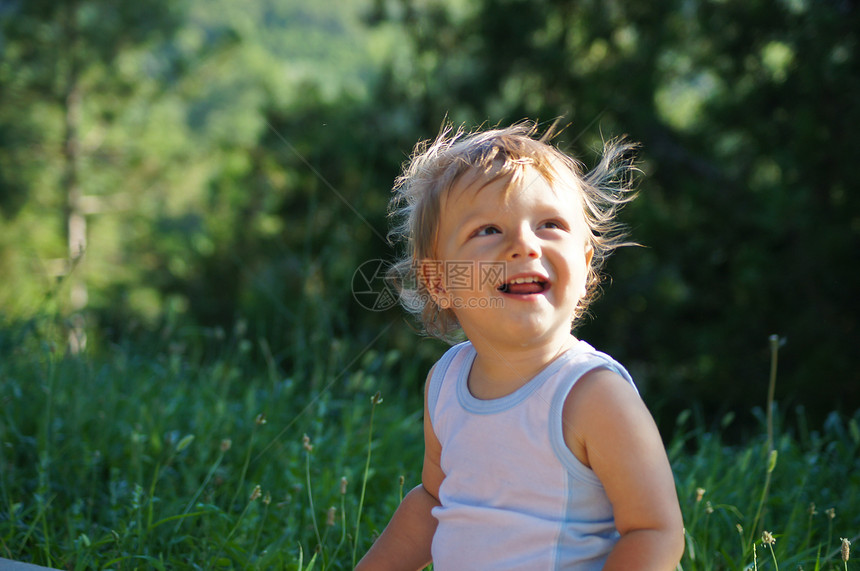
column 539, row 453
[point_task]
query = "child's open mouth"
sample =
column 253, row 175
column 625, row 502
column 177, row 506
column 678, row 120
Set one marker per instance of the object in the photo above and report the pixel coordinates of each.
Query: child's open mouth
column 524, row 285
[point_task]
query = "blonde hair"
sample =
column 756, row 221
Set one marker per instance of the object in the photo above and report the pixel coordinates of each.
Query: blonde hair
column 436, row 166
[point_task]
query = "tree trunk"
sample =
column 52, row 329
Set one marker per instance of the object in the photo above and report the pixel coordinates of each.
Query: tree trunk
column 76, row 221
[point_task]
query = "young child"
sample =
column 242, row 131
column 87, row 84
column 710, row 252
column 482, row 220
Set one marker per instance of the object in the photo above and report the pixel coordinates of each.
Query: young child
column 539, row 453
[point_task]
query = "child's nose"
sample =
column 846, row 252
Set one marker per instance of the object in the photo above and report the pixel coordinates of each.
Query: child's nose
column 524, row 244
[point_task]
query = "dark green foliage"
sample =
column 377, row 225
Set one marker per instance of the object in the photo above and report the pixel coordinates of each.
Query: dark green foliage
column 744, row 113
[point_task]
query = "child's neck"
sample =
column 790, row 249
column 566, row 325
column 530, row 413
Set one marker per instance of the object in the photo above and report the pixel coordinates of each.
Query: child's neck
column 499, row 371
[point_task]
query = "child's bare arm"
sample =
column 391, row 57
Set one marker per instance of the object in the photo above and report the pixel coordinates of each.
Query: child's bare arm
column 405, row 542
column 608, row 427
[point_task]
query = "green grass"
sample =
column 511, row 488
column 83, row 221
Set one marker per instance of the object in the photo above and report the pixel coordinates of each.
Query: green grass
column 197, row 451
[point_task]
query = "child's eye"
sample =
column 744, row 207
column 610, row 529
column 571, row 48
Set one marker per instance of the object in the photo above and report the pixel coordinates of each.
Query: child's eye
column 487, row 230
column 553, row 225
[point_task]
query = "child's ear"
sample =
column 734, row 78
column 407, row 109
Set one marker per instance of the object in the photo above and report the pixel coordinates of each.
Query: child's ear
column 432, row 275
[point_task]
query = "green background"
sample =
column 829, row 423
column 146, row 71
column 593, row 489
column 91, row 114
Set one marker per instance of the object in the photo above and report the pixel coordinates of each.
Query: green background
column 234, row 163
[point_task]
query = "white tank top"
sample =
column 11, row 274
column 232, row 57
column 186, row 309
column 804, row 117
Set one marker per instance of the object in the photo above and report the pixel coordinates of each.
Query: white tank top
column 514, row 496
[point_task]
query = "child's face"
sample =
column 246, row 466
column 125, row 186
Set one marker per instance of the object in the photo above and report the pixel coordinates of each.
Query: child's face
column 512, row 258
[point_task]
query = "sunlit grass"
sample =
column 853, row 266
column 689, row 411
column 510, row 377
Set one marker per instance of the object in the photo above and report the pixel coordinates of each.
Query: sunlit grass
column 181, row 454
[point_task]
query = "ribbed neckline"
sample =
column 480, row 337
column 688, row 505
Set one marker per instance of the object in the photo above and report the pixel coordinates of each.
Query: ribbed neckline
column 501, row 404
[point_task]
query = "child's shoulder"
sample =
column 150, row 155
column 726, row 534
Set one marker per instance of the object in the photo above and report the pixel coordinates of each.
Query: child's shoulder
column 603, row 402
column 583, row 362
column 584, row 351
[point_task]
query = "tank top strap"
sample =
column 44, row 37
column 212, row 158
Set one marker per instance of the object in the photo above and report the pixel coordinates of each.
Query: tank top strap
column 440, row 372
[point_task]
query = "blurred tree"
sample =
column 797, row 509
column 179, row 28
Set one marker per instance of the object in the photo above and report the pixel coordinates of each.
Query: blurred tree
column 68, row 72
column 292, row 199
